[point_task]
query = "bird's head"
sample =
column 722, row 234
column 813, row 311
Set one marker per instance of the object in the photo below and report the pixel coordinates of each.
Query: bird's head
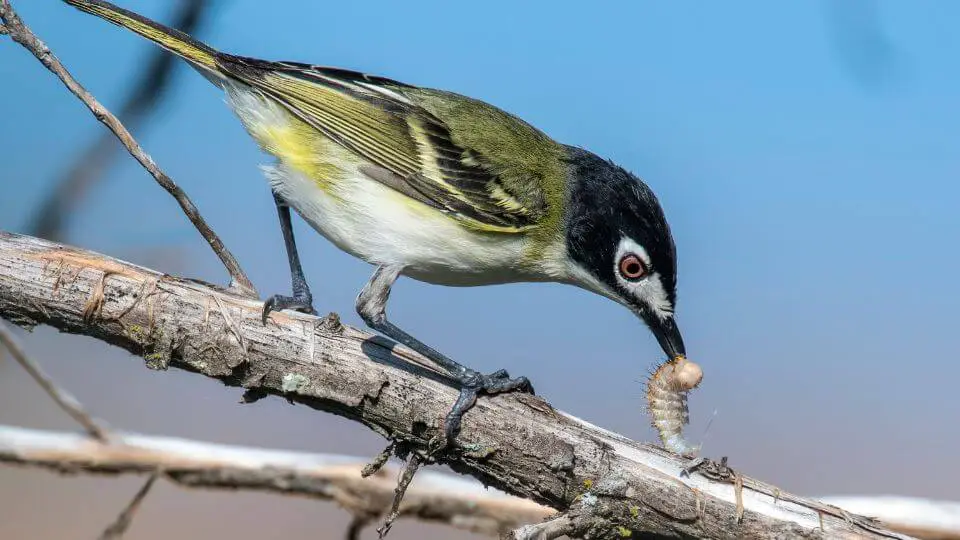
column 619, row 244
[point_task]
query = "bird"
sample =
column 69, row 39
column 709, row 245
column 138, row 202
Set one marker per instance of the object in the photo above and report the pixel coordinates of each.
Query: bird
column 438, row 187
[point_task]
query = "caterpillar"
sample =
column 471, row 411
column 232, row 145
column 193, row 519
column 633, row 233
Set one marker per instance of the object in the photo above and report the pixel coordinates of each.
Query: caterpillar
column 667, row 391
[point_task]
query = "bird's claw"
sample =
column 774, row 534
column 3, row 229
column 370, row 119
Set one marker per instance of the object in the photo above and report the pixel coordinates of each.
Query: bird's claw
column 497, row 382
column 277, row 302
column 474, row 384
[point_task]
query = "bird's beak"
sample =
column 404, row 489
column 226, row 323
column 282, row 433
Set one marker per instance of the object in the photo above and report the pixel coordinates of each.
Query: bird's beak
column 668, row 335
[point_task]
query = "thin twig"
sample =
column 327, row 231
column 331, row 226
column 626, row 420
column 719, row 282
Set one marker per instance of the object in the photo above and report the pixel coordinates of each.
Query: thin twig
column 24, row 36
column 378, row 462
column 90, row 167
column 413, row 464
column 122, row 523
column 59, row 395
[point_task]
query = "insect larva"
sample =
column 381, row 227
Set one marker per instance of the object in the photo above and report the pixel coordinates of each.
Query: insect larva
column 667, row 402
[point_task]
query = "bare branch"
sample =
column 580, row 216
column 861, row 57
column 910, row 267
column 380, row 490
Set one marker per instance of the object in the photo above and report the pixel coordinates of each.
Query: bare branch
column 403, row 482
column 60, row 396
column 90, row 167
column 123, row 521
column 433, row 497
column 517, row 443
column 25, row 37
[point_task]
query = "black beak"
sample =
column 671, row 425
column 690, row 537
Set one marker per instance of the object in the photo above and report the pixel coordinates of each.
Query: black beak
column 668, row 335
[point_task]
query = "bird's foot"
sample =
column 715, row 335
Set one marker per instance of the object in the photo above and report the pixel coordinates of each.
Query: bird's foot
column 302, row 303
column 472, row 385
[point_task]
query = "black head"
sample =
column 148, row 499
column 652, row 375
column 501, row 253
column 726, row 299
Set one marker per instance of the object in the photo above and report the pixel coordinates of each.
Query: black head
column 620, row 243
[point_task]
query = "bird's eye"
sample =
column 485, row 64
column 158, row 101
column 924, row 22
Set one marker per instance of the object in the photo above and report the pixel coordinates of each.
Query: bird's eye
column 632, row 268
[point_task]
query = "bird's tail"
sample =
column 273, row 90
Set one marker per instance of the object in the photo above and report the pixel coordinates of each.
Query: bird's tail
column 175, row 41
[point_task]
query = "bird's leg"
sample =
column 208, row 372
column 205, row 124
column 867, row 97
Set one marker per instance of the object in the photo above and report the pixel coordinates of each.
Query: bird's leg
column 301, row 300
column 372, row 307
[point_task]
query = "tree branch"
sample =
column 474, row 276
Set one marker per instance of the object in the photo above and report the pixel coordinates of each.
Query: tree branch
column 25, row 37
column 436, row 497
column 433, row 496
column 517, row 443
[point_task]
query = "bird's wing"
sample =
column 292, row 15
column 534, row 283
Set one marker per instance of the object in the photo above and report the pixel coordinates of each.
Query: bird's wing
column 481, row 165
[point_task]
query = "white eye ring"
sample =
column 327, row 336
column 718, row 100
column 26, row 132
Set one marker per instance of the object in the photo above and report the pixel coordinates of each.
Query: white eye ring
column 644, row 286
column 630, row 254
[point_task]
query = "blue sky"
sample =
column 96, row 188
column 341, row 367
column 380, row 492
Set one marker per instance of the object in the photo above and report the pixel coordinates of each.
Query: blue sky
column 805, row 153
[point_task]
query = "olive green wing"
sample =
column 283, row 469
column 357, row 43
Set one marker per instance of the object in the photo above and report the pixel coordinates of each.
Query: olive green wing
column 527, row 167
column 482, row 166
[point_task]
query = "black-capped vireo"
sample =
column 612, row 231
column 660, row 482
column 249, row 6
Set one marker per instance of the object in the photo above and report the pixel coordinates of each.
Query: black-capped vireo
column 438, row 187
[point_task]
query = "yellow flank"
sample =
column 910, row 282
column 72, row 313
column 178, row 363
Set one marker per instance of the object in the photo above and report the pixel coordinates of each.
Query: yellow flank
column 302, row 147
column 367, row 128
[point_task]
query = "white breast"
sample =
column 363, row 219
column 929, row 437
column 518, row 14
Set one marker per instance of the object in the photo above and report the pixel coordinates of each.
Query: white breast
column 379, row 225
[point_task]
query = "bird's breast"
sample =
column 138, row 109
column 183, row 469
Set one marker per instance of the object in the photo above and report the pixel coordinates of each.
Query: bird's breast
column 381, row 226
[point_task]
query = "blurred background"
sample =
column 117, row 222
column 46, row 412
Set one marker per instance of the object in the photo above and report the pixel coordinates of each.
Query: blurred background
column 805, row 153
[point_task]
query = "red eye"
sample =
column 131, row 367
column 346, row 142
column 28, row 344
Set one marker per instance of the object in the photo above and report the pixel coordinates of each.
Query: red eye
column 632, row 268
